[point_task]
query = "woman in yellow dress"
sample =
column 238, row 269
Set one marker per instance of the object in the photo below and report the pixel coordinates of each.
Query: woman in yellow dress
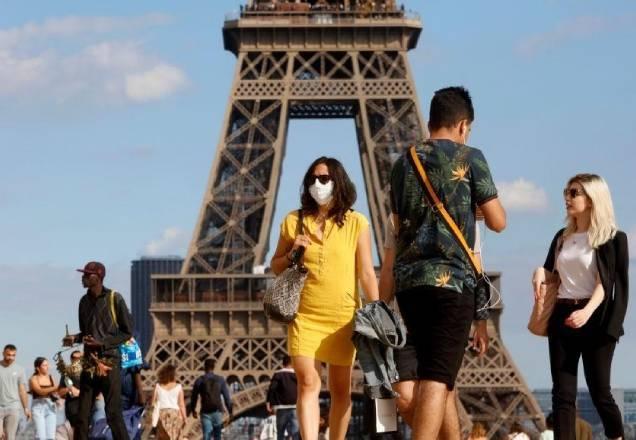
column 337, row 244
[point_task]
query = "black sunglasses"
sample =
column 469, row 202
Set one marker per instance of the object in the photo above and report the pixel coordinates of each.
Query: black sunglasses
column 322, row 178
column 573, row 192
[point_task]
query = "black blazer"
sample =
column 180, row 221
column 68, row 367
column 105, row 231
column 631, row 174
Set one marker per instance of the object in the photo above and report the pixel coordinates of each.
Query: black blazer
column 612, row 261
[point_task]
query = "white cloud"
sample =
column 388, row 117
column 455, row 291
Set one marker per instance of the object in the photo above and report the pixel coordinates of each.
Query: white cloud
column 522, row 195
column 173, row 241
column 102, row 71
column 153, row 84
column 65, row 27
column 18, row 74
column 573, row 29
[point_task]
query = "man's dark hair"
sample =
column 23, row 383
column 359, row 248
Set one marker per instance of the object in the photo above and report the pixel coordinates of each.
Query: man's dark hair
column 344, row 191
column 209, row 365
column 74, row 352
column 10, row 347
column 449, row 106
column 286, row 360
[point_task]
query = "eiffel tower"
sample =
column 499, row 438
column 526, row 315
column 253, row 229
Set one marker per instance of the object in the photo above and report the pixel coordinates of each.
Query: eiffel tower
column 310, row 60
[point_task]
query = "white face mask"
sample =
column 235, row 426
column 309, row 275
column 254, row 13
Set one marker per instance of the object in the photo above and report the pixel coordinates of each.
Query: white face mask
column 322, row 193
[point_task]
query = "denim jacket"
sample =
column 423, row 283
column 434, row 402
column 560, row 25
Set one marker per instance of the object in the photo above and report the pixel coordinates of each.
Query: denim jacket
column 377, row 330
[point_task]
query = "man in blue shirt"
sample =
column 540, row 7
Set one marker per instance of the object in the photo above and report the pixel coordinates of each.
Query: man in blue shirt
column 214, row 394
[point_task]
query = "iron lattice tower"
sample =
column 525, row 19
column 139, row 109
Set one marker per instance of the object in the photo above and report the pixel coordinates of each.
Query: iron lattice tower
column 296, row 60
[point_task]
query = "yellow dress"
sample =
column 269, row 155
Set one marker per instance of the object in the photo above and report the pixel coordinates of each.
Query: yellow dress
column 323, row 328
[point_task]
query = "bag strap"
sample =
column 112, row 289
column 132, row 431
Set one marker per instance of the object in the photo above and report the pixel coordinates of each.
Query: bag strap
column 300, row 228
column 112, row 308
column 438, row 206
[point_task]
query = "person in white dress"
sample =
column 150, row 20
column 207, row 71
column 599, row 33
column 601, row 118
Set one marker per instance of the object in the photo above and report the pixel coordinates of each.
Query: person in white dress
column 169, row 413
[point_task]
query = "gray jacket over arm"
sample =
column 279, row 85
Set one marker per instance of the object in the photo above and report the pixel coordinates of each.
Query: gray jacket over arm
column 377, row 330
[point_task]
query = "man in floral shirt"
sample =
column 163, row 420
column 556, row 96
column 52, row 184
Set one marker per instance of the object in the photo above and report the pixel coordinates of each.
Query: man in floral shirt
column 434, row 281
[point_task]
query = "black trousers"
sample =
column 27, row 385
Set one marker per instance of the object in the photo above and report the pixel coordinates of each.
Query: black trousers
column 71, row 410
column 110, row 387
column 567, row 345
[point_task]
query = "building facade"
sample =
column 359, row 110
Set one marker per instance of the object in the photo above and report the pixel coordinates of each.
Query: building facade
column 140, row 272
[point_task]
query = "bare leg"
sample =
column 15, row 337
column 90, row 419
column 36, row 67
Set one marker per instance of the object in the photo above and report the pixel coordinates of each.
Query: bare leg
column 405, row 402
column 340, row 411
column 450, row 426
column 430, row 406
column 307, row 407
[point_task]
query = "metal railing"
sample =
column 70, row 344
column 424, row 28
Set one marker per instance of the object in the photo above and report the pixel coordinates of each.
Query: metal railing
column 323, row 16
column 237, row 291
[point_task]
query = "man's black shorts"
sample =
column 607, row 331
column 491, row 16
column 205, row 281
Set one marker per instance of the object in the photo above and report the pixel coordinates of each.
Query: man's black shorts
column 438, row 324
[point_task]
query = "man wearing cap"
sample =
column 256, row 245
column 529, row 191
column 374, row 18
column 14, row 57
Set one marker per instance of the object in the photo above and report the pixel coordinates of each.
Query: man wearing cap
column 101, row 334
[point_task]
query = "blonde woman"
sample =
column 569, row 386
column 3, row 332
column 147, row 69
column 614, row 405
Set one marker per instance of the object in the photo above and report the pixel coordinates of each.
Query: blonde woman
column 169, row 405
column 589, row 258
column 337, row 245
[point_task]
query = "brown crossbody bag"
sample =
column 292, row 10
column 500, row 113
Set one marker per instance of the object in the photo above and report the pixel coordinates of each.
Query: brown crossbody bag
column 438, row 206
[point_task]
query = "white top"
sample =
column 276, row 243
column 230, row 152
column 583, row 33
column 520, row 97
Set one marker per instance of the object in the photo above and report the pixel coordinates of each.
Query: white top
column 11, row 378
column 518, row 436
column 168, row 399
column 548, row 434
column 577, row 269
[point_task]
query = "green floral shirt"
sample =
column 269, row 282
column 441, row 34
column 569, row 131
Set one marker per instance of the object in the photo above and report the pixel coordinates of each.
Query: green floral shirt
column 427, row 253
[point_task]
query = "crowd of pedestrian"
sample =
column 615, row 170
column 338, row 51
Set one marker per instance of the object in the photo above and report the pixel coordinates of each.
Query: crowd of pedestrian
column 430, row 268
column 98, row 394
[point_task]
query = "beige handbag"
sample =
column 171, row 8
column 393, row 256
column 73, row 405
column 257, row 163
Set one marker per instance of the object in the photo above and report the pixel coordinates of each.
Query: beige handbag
column 282, row 296
column 542, row 310
column 544, row 305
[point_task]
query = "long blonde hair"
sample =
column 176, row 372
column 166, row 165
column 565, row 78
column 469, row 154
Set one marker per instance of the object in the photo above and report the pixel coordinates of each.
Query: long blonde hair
column 602, row 220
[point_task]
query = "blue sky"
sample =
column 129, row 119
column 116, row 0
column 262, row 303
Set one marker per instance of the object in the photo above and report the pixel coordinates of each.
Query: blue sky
column 110, row 115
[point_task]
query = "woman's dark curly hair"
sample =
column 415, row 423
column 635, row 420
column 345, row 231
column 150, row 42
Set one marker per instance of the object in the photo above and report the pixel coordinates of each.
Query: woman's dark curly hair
column 344, row 191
